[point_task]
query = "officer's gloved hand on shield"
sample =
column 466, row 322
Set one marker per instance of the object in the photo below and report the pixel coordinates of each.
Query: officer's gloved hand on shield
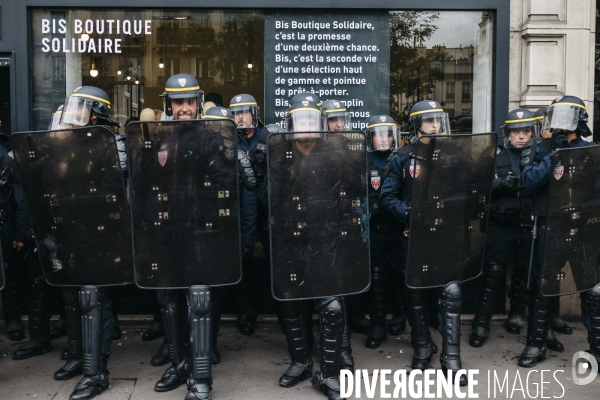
column 509, row 182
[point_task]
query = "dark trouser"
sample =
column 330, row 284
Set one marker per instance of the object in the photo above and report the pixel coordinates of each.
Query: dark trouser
column 590, row 314
column 501, row 240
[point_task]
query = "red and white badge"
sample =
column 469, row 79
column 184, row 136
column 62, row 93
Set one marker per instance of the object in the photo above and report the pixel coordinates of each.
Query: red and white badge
column 375, row 182
column 238, row 98
column 382, row 118
column 305, row 103
column 162, row 157
column 224, row 112
column 415, row 169
column 432, row 104
column 182, row 82
column 558, row 171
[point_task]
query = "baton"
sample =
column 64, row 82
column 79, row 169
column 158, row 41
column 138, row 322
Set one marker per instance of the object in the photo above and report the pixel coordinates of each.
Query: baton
column 533, row 239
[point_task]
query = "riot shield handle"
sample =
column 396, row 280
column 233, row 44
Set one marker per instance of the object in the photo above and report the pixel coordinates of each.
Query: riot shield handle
column 534, row 236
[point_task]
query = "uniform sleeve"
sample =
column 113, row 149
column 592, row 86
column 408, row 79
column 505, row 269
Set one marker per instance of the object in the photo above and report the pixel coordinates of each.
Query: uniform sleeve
column 21, row 213
column 391, row 190
column 537, row 174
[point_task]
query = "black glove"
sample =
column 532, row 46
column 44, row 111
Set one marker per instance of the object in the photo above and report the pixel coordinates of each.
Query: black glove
column 407, row 216
column 528, row 153
column 509, row 182
column 559, row 138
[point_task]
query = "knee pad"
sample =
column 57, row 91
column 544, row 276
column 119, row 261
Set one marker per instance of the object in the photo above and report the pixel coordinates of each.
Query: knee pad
column 70, row 295
column 200, row 299
column 38, row 284
column 166, row 296
column 332, row 313
column 595, row 293
column 451, row 297
column 291, row 309
column 376, row 276
column 494, row 275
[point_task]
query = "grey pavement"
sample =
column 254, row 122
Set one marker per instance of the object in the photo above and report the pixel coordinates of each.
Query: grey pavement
column 251, row 366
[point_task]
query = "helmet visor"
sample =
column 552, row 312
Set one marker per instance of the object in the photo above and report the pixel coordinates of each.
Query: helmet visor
column 55, row 123
column 338, row 121
column 382, row 138
column 76, row 111
column 303, row 120
column 435, row 123
column 563, row 117
column 244, row 116
column 517, row 135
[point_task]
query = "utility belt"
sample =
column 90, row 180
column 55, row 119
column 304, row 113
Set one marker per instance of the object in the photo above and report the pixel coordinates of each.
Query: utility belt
column 513, row 220
column 387, row 226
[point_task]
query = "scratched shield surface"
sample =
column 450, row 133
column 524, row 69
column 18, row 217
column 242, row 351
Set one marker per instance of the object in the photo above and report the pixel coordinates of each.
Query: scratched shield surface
column 318, row 209
column 184, row 203
column 74, row 189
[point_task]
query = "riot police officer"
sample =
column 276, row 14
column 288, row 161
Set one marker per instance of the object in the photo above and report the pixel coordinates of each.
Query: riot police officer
column 386, row 232
column 426, row 118
column 508, row 227
column 86, row 106
column 246, row 114
column 14, row 221
column 305, row 117
column 566, row 123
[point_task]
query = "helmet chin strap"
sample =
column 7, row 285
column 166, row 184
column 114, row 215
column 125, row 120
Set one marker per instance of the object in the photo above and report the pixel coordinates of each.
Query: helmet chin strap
column 245, row 131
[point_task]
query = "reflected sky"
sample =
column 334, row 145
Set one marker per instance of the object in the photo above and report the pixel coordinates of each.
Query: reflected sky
column 455, row 29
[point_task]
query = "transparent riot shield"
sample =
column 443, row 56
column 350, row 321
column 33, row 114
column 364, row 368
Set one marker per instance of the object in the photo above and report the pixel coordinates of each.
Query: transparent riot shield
column 77, row 201
column 451, row 192
column 2, row 269
column 572, row 227
column 318, row 209
column 184, row 203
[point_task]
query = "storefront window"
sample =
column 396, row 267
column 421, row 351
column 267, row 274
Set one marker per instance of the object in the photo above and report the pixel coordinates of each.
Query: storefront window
column 374, row 62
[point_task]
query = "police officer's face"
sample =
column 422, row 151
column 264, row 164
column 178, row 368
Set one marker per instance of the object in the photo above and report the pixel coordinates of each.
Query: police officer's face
column 184, row 108
column 431, row 126
column 336, row 123
column 519, row 136
column 243, row 118
column 379, row 141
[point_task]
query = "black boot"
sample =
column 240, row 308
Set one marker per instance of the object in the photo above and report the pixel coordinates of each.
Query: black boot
column 199, row 383
column 74, row 364
column 39, row 321
column 485, row 307
column 450, row 309
column 377, row 332
column 537, row 331
column 553, row 343
column 156, row 328
column 416, row 302
column 293, row 319
column 397, row 325
column 346, row 359
column 95, row 373
column 556, row 322
column 162, row 357
column 518, row 302
column 12, row 303
column 179, row 370
column 331, row 328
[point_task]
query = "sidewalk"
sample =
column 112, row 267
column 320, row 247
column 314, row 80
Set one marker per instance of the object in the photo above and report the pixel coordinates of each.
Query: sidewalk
column 251, row 366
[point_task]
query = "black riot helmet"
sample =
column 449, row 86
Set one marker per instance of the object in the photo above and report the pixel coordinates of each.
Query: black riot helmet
column 427, row 117
column 313, row 98
column 567, row 114
column 246, row 112
column 84, row 100
column 182, row 86
column 519, row 127
column 380, row 129
column 304, row 116
column 217, row 113
column 335, row 116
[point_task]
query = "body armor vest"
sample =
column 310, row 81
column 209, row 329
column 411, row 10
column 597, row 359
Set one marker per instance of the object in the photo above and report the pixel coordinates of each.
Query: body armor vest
column 515, row 205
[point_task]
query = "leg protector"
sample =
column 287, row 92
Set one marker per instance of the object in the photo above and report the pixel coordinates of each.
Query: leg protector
column 171, row 316
column 346, row 359
column 418, row 317
column 200, row 330
column 73, row 318
column 377, row 331
column 217, row 299
column 294, row 324
column 397, row 326
column 594, row 306
column 39, row 310
column 556, row 322
column 518, row 302
column 485, row 307
column 537, row 330
column 451, row 306
column 331, row 327
column 90, row 303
